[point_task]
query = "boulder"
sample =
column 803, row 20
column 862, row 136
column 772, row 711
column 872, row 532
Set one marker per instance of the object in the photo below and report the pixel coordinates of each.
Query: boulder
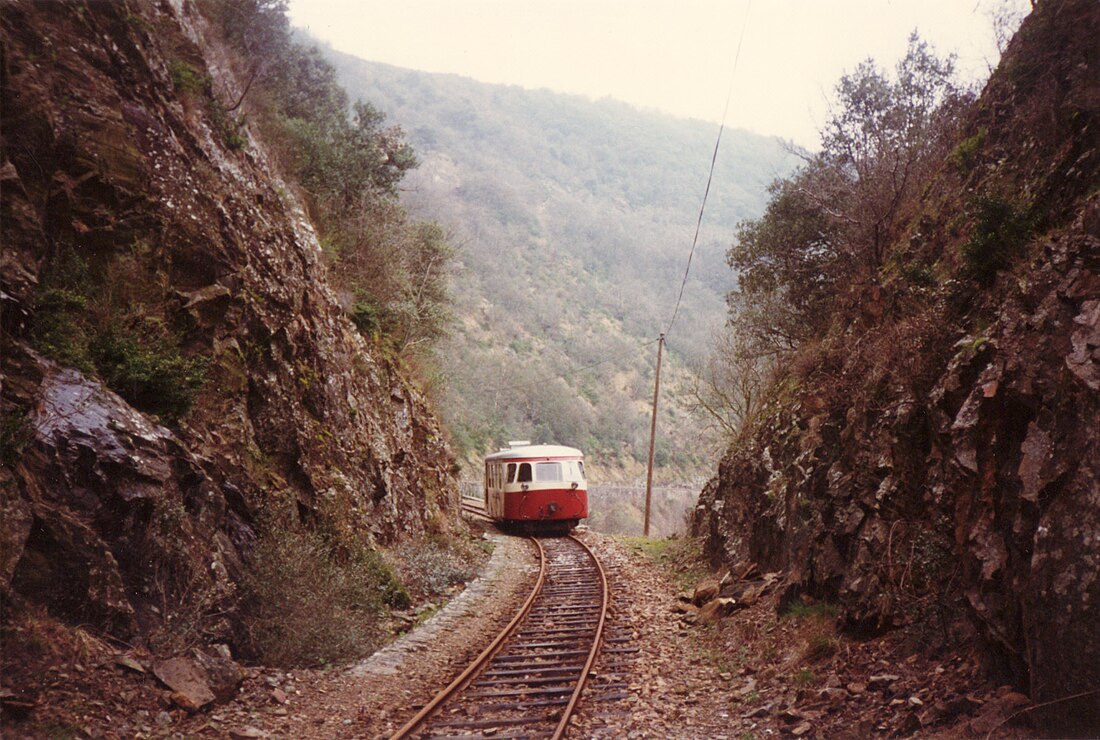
column 706, row 590
column 223, row 674
column 187, row 680
column 715, row 609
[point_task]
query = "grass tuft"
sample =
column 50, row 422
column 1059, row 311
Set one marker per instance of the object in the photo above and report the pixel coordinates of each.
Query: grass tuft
column 819, row 610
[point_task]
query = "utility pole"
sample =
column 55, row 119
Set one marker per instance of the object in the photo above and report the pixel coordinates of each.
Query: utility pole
column 652, row 435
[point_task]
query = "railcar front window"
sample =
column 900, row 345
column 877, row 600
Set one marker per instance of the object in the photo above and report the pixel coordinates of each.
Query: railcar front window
column 581, row 466
column 524, row 473
column 511, row 472
column 548, row 471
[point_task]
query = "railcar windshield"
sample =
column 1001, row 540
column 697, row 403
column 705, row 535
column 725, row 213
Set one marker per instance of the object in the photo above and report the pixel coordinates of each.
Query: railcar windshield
column 524, row 473
column 511, row 472
column 548, row 471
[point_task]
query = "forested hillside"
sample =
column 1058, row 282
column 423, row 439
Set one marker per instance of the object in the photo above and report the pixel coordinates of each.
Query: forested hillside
column 572, row 220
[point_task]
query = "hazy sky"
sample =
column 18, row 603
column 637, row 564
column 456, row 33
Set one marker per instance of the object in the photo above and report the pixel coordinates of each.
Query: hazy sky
column 676, row 56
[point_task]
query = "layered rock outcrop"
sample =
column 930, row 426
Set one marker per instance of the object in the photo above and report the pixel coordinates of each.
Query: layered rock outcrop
column 944, row 461
column 117, row 157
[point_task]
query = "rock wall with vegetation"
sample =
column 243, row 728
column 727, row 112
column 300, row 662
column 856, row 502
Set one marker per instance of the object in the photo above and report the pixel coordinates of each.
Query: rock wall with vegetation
column 929, row 456
column 180, row 387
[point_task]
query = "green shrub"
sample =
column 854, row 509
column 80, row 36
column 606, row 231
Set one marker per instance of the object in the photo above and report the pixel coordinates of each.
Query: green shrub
column 15, row 435
column 58, row 331
column 966, row 153
column 60, row 305
column 187, row 79
column 138, row 23
column 229, row 126
column 148, row 370
column 919, row 275
column 367, row 317
column 1000, row 230
column 304, row 606
column 234, row 139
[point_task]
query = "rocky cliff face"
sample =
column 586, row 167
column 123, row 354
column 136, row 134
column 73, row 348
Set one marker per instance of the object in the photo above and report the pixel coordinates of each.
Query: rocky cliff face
column 141, row 226
column 937, row 463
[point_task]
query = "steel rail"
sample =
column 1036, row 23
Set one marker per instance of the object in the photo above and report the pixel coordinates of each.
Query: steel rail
column 567, row 713
column 482, row 660
column 476, row 510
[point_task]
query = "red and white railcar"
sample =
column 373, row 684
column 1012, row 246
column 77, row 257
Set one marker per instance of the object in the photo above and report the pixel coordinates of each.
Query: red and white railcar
column 536, row 485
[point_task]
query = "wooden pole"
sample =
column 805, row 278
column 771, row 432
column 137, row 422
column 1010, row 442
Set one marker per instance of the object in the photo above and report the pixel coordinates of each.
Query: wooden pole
column 652, row 436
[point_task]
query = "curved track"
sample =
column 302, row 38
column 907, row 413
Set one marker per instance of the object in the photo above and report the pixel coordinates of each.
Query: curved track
column 528, row 681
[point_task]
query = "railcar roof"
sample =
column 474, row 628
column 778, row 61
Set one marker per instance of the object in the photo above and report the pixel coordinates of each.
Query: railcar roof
column 533, row 451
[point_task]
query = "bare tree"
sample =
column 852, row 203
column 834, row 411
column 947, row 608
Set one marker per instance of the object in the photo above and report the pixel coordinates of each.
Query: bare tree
column 728, row 385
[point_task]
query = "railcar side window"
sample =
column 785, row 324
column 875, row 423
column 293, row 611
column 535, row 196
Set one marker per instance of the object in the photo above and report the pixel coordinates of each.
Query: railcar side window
column 511, row 472
column 524, row 473
column 548, row 471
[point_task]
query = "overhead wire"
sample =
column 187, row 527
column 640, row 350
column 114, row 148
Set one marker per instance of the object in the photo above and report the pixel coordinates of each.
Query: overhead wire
column 683, row 283
column 710, row 175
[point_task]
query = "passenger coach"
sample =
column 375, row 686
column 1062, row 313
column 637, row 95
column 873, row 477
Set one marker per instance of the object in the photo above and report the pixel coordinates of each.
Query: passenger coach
column 536, row 485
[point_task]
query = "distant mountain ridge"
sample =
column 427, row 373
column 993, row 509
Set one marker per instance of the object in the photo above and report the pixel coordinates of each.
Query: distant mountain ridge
column 574, row 219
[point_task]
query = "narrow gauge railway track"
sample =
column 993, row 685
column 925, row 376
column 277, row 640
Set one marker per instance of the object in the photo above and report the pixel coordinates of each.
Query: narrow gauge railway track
column 528, row 681
column 475, row 510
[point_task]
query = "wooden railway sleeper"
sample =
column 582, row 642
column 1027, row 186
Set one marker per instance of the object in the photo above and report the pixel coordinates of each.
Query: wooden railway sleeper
column 517, row 681
column 572, row 669
column 512, row 706
column 484, row 724
column 509, row 658
column 534, row 647
column 567, row 627
column 523, row 692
